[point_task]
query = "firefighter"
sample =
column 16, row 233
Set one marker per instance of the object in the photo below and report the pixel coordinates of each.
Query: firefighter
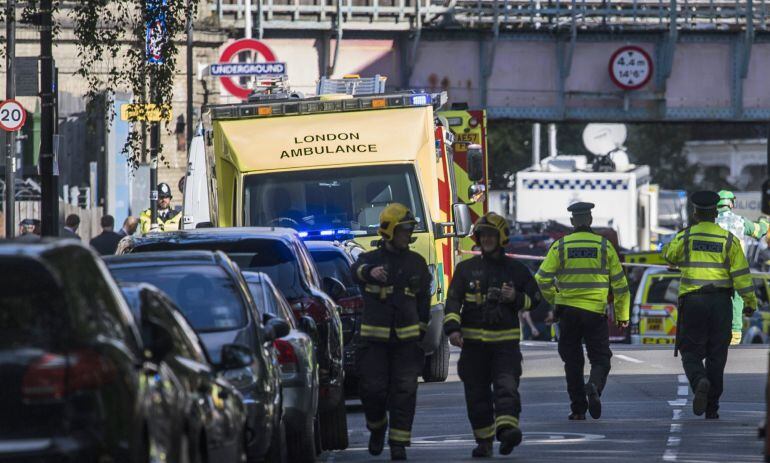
column 576, row 277
column 742, row 228
column 713, row 266
column 483, row 302
column 167, row 219
column 396, row 283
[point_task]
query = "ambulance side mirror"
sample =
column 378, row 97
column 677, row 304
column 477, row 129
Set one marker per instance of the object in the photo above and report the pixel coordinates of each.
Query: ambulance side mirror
column 766, row 197
column 475, row 163
column 462, row 219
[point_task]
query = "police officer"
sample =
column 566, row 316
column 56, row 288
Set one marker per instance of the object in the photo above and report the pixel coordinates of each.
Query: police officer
column 576, row 277
column 396, row 286
column 742, row 228
column 168, row 219
column 483, row 302
column 712, row 265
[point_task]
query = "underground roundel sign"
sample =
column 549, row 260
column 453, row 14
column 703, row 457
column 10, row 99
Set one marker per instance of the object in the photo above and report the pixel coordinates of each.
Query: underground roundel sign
column 630, row 68
column 228, row 70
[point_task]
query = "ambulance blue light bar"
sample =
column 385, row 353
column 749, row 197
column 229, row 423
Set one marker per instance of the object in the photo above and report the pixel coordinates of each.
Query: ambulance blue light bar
column 259, row 108
column 327, row 234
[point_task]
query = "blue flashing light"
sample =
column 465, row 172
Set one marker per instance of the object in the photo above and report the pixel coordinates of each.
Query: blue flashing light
column 327, row 232
column 303, row 234
column 421, row 99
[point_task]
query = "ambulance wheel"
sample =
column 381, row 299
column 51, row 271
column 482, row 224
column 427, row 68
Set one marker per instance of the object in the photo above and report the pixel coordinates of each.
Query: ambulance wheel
column 436, row 369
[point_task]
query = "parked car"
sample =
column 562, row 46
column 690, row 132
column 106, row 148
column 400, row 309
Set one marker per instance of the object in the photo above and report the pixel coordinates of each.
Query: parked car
column 654, row 311
column 204, row 415
column 210, row 291
column 281, row 254
column 72, row 370
column 299, row 369
column 334, row 259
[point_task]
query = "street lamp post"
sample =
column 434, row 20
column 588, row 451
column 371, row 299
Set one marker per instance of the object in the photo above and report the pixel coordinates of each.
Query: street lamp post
column 10, row 137
column 49, row 176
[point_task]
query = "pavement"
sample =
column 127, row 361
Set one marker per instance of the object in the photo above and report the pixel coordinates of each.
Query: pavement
column 647, row 414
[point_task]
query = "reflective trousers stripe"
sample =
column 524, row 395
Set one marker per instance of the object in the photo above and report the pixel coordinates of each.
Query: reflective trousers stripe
column 371, row 331
column 484, row 433
column 452, row 317
column 399, row 435
column 507, row 421
column 408, row 332
column 375, row 425
column 478, row 334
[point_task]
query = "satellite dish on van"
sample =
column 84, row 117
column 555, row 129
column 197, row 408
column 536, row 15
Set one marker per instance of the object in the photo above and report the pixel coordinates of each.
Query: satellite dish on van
column 602, row 139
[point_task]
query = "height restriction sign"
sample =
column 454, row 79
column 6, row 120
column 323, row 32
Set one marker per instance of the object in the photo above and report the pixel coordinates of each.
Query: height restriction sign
column 630, row 68
column 12, row 116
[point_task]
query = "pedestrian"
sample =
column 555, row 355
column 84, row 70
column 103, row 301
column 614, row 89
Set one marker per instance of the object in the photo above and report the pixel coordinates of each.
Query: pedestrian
column 167, row 219
column 485, row 297
column 129, row 226
column 713, row 267
column 576, row 277
column 28, row 231
column 107, row 241
column 742, row 228
column 71, row 224
column 395, row 282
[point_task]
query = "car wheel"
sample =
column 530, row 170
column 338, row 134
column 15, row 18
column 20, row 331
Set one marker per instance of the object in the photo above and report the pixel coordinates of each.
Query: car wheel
column 277, row 451
column 302, row 449
column 334, row 428
column 436, row 369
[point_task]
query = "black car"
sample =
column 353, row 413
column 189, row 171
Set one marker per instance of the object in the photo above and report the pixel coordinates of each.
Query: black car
column 73, row 381
column 334, row 259
column 210, row 291
column 195, row 412
column 281, row 254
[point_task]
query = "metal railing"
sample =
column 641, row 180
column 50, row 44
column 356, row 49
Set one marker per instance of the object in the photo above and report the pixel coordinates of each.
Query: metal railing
column 509, row 14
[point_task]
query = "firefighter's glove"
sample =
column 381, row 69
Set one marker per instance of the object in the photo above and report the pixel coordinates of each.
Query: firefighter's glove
column 507, row 293
column 748, row 311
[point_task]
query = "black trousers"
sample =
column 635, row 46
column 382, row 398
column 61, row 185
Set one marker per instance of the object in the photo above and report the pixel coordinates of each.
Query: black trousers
column 388, row 373
column 577, row 326
column 490, row 373
column 706, row 323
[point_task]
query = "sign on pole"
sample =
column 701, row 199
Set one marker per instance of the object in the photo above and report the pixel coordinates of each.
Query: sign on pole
column 225, row 69
column 12, row 116
column 630, row 67
column 156, row 31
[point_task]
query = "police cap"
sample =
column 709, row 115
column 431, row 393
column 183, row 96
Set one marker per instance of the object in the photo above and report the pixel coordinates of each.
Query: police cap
column 580, row 208
column 164, row 191
column 704, row 199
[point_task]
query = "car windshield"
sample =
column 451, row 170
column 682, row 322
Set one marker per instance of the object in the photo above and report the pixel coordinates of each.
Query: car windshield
column 204, row 293
column 333, row 264
column 663, row 290
column 348, row 198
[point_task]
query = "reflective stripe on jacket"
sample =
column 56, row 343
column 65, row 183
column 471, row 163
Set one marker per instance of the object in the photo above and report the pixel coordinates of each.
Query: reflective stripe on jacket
column 579, row 271
column 707, row 255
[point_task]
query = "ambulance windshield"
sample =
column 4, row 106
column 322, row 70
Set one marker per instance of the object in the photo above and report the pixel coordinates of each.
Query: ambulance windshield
column 348, row 198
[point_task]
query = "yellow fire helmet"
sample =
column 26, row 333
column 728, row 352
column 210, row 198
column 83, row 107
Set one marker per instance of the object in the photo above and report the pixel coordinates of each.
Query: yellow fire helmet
column 495, row 222
column 392, row 216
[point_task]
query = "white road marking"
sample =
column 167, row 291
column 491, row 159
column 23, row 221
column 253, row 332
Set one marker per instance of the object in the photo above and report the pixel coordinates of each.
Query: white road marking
column 678, row 402
column 628, row 359
column 683, row 379
column 683, row 390
column 677, row 414
column 676, row 427
column 670, row 455
column 673, row 441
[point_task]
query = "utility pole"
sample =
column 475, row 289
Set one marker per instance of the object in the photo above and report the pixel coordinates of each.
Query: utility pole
column 10, row 137
column 48, row 170
column 190, row 127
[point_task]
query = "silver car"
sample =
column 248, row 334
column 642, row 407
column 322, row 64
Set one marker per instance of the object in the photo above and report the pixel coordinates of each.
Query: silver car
column 298, row 366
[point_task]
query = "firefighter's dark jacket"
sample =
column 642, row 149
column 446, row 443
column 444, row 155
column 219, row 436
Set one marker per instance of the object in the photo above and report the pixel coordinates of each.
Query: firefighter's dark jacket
column 468, row 308
column 398, row 309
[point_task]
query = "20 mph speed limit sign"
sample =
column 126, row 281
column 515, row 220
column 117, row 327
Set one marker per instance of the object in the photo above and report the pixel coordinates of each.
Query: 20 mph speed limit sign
column 630, row 68
column 12, row 116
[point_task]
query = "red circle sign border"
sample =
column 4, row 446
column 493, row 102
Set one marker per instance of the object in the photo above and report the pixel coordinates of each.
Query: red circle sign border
column 23, row 116
column 646, row 56
column 235, row 48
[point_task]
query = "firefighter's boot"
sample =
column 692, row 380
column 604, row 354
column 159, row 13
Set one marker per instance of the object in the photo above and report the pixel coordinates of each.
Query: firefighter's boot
column 397, row 452
column 377, row 441
column 509, row 438
column 483, row 449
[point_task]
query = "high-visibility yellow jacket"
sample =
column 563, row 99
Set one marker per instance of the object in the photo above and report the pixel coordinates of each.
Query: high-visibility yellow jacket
column 709, row 256
column 579, row 271
column 169, row 223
